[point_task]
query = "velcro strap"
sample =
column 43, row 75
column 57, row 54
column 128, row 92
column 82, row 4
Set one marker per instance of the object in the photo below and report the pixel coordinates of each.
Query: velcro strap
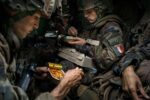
column 115, row 40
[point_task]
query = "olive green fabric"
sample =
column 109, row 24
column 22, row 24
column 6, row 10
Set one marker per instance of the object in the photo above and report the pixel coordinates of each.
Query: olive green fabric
column 85, row 93
column 88, row 4
column 144, row 74
column 45, row 96
column 109, row 33
column 8, row 91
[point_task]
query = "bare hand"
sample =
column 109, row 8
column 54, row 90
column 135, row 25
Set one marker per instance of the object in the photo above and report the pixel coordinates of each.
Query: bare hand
column 72, row 31
column 77, row 41
column 73, row 76
column 43, row 71
column 132, row 83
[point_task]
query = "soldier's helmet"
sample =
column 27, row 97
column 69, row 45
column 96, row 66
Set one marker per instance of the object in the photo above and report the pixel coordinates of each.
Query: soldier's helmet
column 45, row 6
column 102, row 7
column 87, row 4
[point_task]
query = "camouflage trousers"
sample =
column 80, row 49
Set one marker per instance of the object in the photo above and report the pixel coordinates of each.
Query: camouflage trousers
column 109, row 86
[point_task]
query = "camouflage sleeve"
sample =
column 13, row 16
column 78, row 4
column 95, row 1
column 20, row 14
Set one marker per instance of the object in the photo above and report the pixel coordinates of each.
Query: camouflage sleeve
column 134, row 57
column 45, row 96
column 111, row 46
column 7, row 90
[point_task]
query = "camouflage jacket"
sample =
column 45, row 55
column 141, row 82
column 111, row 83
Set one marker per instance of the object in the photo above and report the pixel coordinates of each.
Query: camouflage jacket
column 134, row 57
column 108, row 34
column 141, row 48
column 9, row 91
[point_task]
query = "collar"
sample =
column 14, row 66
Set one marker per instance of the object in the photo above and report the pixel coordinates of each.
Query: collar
column 13, row 39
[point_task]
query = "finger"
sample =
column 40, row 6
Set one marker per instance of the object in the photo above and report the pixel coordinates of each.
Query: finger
column 76, row 83
column 73, row 42
column 125, row 85
column 70, row 31
column 82, row 73
column 142, row 91
column 79, row 78
column 42, row 69
column 133, row 90
column 78, row 69
column 134, row 94
column 70, row 42
column 44, row 75
column 76, row 78
column 73, row 31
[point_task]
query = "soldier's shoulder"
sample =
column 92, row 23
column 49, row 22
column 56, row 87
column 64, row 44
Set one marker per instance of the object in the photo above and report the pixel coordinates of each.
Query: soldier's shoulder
column 45, row 96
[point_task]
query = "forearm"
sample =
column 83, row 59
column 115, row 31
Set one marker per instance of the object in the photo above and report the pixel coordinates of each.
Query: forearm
column 72, row 77
column 61, row 90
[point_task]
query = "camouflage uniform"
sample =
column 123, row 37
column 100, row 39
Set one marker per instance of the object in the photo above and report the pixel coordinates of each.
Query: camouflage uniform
column 8, row 49
column 107, row 31
column 71, row 12
column 8, row 91
column 104, row 44
column 140, row 48
column 138, row 55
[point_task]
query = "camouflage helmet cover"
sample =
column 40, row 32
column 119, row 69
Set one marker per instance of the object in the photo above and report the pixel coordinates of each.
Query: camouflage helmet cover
column 45, row 6
column 87, row 4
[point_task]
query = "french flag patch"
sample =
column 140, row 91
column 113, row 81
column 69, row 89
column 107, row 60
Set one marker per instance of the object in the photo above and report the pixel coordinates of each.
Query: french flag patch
column 120, row 48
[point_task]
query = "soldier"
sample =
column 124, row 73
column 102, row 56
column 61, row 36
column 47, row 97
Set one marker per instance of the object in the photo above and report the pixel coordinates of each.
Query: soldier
column 23, row 18
column 74, row 17
column 104, row 42
column 134, row 66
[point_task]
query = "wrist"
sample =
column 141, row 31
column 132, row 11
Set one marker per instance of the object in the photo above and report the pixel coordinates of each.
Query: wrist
column 61, row 90
column 128, row 69
column 85, row 42
column 64, row 82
